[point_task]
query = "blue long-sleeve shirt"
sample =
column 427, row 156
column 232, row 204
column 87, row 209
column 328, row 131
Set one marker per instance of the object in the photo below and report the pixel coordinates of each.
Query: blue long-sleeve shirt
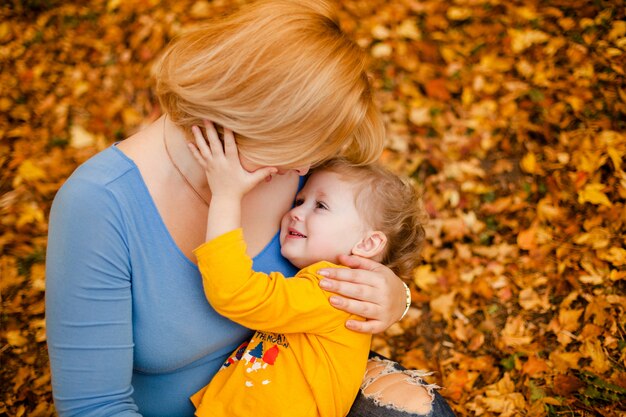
column 129, row 329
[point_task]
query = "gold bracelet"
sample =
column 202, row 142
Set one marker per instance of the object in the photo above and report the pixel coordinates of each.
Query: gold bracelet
column 408, row 300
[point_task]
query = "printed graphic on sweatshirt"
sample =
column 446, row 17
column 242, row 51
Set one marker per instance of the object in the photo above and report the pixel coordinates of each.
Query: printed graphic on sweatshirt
column 255, row 355
column 235, row 357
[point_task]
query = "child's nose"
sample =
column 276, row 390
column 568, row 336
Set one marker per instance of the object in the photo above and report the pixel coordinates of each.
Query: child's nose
column 297, row 214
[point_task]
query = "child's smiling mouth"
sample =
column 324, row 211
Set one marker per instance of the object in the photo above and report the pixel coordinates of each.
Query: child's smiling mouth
column 294, row 233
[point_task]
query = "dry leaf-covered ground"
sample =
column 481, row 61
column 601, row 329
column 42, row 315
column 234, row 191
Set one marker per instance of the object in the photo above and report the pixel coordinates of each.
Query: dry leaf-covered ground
column 510, row 115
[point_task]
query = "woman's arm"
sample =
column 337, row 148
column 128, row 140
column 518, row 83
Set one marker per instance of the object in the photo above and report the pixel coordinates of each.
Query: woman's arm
column 369, row 289
column 88, row 304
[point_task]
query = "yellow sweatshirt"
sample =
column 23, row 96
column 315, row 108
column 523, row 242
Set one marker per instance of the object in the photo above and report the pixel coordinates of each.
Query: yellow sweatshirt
column 302, row 361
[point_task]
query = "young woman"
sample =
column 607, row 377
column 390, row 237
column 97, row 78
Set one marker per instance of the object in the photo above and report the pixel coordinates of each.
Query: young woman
column 129, row 330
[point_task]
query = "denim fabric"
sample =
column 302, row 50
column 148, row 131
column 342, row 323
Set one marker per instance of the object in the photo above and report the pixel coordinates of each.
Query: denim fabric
column 366, row 407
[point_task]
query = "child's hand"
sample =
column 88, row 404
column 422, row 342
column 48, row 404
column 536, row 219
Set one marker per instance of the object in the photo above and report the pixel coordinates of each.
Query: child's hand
column 224, row 172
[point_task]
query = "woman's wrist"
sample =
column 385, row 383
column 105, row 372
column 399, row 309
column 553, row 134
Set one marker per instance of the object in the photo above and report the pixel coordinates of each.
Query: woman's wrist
column 407, row 300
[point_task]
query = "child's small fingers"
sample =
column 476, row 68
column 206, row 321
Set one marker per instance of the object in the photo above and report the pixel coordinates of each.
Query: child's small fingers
column 213, row 138
column 230, row 146
column 196, row 154
column 201, row 145
column 262, row 173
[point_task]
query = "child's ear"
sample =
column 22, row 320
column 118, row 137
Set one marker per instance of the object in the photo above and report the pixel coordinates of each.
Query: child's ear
column 371, row 245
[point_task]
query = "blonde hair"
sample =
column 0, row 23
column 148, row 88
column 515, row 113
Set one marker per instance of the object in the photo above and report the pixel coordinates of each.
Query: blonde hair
column 391, row 205
column 281, row 75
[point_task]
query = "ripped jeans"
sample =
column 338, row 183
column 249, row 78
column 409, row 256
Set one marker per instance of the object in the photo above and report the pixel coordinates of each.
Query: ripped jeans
column 389, row 390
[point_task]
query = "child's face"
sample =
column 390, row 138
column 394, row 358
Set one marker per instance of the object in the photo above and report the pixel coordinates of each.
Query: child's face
column 324, row 223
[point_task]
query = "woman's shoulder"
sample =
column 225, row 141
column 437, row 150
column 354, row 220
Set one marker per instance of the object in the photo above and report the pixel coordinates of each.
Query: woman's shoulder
column 94, row 177
column 105, row 166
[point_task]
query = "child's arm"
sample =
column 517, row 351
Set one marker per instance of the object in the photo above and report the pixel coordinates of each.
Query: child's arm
column 234, row 289
column 260, row 301
column 228, row 181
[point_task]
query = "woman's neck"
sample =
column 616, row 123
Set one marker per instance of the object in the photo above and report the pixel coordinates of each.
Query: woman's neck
column 175, row 141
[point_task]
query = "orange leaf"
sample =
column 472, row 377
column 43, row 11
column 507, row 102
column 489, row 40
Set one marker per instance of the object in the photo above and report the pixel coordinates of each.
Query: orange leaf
column 535, row 366
column 527, row 239
column 437, row 89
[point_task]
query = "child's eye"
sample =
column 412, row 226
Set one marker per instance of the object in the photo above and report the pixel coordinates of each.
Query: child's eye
column 321, row 205
column 298, row 202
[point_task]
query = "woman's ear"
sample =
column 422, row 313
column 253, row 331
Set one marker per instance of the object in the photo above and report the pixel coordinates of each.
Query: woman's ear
column 371, row 245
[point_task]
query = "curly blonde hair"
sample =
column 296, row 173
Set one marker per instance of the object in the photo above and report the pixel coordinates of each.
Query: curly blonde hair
column 389, row 204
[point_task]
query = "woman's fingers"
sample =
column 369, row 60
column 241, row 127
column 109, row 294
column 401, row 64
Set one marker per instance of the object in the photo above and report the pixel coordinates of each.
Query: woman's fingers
column 358, row 262
column 370, row 290
column 369, row 326
column 363, row 309
column 345, row 283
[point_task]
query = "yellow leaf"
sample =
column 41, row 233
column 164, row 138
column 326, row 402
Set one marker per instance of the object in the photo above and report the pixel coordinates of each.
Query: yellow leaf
column 381, row 50
column 424, row 277
column 616, row 275
column 30, row 172
column 618, row 30
column 113, row 4
column 380, row 32
column 616, row 156
column 597, row 238
column 420, row 116
column 81, row 88
column 200, row 10
column 15, row 338
column 569, row 319
column 529, row 163
column 591, row 161
column 493, row 62
column 30, row 213
column 5, row 32
column 523, row 39
column 515, row 333
column 502, row 397
column 444, row 304
column 615, row 255
column 408, row 29
column 546, row 210
column 593, row 349
column 564, row 361
column 80, row 138
column 592, row 193
column 526, row 12
column 459, row 13
column 37, row 277
column 530, row 300
column 576, row 102
column 131, row 117
column 506, row 405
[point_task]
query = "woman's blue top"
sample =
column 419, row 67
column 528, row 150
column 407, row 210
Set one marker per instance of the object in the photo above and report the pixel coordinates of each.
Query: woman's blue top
column 129, row 329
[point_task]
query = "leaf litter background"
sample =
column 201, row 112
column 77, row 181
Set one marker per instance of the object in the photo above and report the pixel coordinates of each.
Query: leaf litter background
column 509, row 115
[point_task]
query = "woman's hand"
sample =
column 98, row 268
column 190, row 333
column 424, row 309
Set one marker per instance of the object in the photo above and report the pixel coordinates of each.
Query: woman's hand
column 369, row 289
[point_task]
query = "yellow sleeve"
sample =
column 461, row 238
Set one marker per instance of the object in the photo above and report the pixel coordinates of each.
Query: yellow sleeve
column 260, row 301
